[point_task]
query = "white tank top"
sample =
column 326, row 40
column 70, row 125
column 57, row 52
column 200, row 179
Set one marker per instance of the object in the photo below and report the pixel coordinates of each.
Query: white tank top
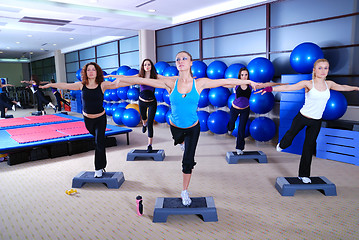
column 315, row 102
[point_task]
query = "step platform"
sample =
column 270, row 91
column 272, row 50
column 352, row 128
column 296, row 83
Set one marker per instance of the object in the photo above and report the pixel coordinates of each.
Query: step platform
column 202, row 206
column 157, row 155
column 110, row 179
column 233, row 157
column 287, row 186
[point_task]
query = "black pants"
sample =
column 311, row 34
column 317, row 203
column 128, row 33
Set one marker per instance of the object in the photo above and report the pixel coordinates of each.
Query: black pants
column 97, row 127
column 59, row 99
column 4, row 104
column 152, row 108
column 243, row 118
column 190, row 138
column 41, row 100
column 309, row 146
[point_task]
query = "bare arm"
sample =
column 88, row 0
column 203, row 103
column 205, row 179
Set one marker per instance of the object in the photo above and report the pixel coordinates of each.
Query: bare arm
column 69, row 86
column 339, row 87
column 203, row 83
column 286, row 87
column 166, row 83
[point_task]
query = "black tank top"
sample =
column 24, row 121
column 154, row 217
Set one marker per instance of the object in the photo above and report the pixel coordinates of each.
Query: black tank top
column 92, row 100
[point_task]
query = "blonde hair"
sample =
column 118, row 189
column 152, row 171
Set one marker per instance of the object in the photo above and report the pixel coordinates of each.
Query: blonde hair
column 315, row 64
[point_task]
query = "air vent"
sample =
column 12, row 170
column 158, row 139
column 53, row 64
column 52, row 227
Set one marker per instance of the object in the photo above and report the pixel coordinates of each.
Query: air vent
column 86, row 18
column 10, row 9
column 65, row 29
column 145, row 3
column 47, row 21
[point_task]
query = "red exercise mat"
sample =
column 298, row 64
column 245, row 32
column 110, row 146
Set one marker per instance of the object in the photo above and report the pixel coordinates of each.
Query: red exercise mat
column 47, row 119
column 77, row 131
column 29, row 130
column 67, row 125
column 10, row 122
column 35, row 137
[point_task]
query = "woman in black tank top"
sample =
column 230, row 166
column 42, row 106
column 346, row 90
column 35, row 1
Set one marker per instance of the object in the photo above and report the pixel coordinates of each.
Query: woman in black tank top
column 93, row 87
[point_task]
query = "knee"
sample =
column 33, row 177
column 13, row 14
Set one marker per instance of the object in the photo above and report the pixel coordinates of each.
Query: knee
column 187, row 167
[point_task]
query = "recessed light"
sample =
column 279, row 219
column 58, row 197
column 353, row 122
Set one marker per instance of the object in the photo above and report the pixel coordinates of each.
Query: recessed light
column 7, row 47
column 31, row 53
column 29, row 35
column 17, row 42
column 1, row 52
column 41, row 49
column 54, row 44
column 71, row 38
column 152, row 10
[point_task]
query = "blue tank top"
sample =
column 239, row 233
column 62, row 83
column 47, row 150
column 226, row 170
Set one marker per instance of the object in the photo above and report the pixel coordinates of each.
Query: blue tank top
column 184, row 107
column 92, row 100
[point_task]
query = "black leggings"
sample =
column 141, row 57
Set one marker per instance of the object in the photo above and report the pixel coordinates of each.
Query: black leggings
column 59, row 99
column 41, row 100
column 309, row 146
column 97, row 127
column 190, row 138
column 152, row 108
column 243, row 118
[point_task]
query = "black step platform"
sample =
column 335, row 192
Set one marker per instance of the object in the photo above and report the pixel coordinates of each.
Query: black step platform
column 233, row 157
column 287, row 186
column 157, row 155
column 203, row 206
column 110, row 179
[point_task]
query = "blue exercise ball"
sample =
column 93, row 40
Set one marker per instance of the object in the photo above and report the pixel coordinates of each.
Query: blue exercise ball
column 231, row 99
column 161, row 66
column 107, row 95
column 113, row 107
column 260, row 70
column 233, row 70
column 131, row 117
column 108, row 109
column 203, row 98
column 217, row 122
column 133, row 94
column 170, row 71
column 166, row 97
column 262, row 129
column 131, row 72
column 161, row 112
column 122, row 92
column 304, row 55
column 218, row 97
column 78, row 74
column 159, row 94
column 123, row 104
column 216, row 69
column 168, row 114
column 104, row 73
column 246, row 132
column 336, row 106
column 75, row 93
column 199, row 69
column 117, row 115
column 203, row 118
column 261, row 104
column 113, row 95
column 122, row 70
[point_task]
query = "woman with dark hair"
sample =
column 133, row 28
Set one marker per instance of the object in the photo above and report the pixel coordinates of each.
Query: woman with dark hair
column 184, row 93
column 41, row 100
column 317, row 93
column 93, row 87
column 240, row 106
column 5, row 101
column 58, row 97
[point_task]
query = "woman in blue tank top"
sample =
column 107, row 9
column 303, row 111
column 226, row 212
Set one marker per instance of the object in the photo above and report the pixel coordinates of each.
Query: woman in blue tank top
column 93, row 87
column 184, row 96
column 310, row 115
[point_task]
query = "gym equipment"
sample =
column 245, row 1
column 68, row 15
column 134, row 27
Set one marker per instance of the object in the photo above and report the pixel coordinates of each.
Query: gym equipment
column 336, row 106
column 159, row 94
column 203, row 98
column 287, row 186
column 262, row 129
column 131, row 72
column 156, row 155
column 78, row 74
column 131, row 117
column 122, row 92
column 113, row 95
column 170, row 71
column 260, row 70
column 203, row 118
column 161, row 112
column 199, row 69
column 139, row 205
column 304, row 55
column 166, row 97
column 110, row 179
column 217, row 122
column 233, row 157
column 122, row 70
column 218, row 97
column 233, row 70
column 203, row 206
column 261, row 104
column 216, row 69
column 133, row 94
column 117, row 115
column 230, row 100
column 161, row 66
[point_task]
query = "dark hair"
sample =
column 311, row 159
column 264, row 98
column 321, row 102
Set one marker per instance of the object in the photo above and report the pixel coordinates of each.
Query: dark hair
column 99, row 75
column 35, row 79
column 52, row 80
column 153, row 73
column 241, row 70
column 190, row 57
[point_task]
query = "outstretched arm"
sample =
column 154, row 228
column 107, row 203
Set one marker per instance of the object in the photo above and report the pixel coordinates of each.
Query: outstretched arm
column 69, row 86
column 167, row 83
column 339, row 87
column 285, row 88
column 203, row 83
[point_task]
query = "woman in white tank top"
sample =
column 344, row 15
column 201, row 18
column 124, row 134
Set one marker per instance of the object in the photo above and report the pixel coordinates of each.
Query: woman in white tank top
column 310, row 115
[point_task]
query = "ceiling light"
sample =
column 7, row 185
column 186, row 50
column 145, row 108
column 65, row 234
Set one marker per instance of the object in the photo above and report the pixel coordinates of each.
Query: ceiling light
column 152, row 10
column 71, row 38
column 41, row 49
column 1, row 52
column 29, row 35
column 17, row 42
column 54, row 44
column 31, row 53
column 7, row 47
